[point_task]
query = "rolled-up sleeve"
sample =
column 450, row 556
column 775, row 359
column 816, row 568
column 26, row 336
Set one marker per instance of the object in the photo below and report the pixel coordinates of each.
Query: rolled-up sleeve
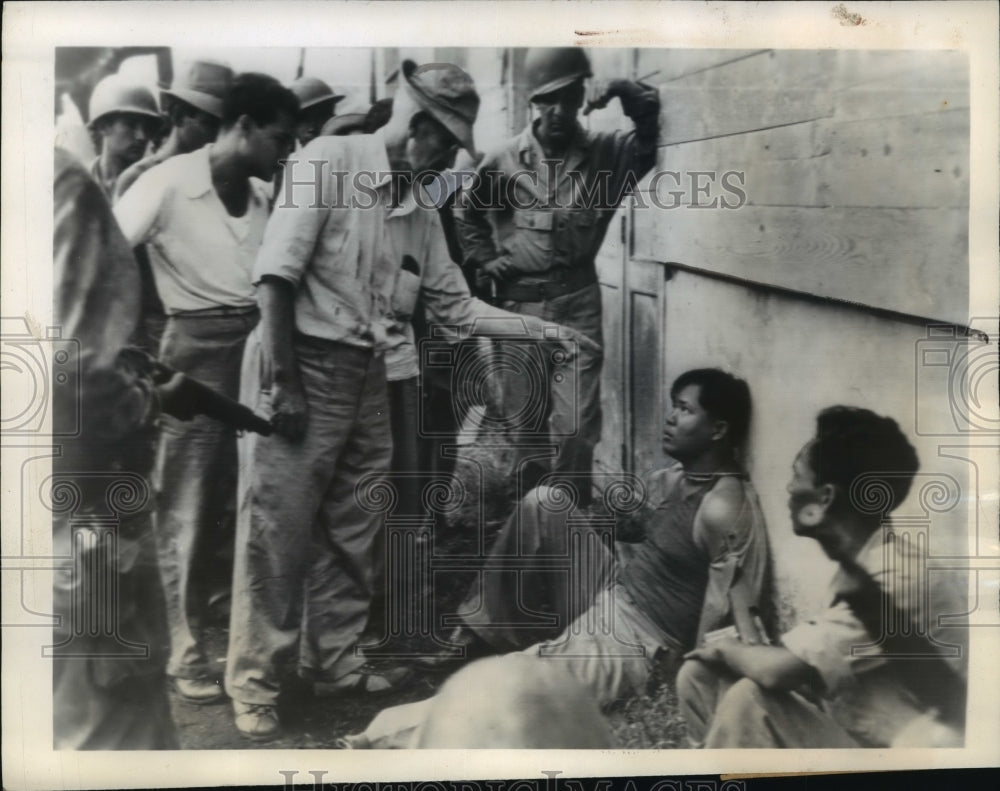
column 138, row 209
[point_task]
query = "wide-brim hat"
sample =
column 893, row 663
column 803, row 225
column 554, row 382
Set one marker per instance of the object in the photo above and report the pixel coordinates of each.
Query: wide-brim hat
column 204, row 86
column 345, row 124
column 448, row 94
column 311, row 91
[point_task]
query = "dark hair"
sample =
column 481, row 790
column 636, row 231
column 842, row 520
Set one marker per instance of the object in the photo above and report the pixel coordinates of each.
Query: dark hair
column 379, row 115
column 177, row 110
column 852, row 442
column 723, row 396
column 259, row 96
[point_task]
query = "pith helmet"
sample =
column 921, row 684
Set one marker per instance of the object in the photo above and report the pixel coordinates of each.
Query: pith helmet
column 204, row 86
column 310, row 91
column 549, row 69
column 114, row 95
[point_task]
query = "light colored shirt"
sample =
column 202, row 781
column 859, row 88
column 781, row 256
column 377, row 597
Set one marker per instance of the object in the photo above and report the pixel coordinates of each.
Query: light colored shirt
column 862, row 692
column 327, row 238
column 202, row 257
column 414, row 230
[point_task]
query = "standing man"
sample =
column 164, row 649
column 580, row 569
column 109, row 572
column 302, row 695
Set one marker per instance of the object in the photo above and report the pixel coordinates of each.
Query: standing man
column 124, row 116
column 194, row 107
column 833, row 681
column 317, row 104
column 325, row 279
column 203, row 216
column 108, row 656
column 533, row 223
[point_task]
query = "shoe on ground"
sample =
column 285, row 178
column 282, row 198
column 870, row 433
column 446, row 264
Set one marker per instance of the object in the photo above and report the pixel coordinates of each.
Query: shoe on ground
column 367, row 679
column 466, row 646
column 256, row 721
column 199, row 691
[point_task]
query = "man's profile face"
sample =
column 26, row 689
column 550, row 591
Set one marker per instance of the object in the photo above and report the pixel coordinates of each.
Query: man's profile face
column 126, row 136
column 310, row 121
column 689, row 429
column 801, row 491
column 197, row 129
column 431, row 147
column 557, row 113
column 270, row 144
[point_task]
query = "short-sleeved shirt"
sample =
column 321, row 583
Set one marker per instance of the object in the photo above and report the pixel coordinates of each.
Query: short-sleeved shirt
column 415, row 230
column 862, row 692
column 327, row 238
column 202, row 257
column 553, row 214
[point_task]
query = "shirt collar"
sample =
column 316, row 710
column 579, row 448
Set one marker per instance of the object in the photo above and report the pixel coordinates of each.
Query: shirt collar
column 530, row 150
column 198, row 173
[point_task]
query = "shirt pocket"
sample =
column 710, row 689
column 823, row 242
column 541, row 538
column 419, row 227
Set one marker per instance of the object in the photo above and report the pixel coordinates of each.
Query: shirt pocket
column 534, row 232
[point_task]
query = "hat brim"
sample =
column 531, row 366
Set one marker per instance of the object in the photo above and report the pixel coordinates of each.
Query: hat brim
column 558, row 84
column 125, row 111
column 453, row 122
column 202, row 101
column 333, row 98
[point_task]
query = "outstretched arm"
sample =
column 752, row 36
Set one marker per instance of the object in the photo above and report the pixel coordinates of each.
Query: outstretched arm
column 772, row 667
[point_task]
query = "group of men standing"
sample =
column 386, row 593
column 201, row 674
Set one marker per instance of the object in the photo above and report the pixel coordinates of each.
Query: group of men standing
column 298, row 302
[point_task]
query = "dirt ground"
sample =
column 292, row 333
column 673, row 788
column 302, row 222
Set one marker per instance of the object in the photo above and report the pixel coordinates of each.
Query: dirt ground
column 647, row 721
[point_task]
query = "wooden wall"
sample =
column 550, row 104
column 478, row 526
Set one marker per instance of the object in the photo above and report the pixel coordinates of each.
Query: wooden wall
column 856, row 171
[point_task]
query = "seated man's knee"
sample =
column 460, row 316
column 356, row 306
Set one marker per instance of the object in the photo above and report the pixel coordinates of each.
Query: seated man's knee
column 693, row 678
column 741, row 700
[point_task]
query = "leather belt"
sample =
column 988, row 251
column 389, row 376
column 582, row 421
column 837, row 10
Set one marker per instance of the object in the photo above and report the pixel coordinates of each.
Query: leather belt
column 568, row 281
column 221, row 311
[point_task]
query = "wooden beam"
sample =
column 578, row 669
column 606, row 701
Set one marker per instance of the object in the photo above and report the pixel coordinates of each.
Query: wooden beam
column 912, row 261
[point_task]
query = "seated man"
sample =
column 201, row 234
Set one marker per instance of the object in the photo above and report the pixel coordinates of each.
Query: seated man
column 817, row 689
column 704, row 541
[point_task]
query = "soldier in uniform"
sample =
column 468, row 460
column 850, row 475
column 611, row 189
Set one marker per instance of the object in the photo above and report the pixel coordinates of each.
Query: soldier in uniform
column 125, row 117
column 533, row 223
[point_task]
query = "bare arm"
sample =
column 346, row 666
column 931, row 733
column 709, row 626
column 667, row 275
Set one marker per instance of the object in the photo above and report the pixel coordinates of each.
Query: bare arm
column 772, row 667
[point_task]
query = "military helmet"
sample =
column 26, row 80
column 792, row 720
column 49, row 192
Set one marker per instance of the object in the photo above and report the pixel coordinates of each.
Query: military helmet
column 114, row 94
column 549, row 69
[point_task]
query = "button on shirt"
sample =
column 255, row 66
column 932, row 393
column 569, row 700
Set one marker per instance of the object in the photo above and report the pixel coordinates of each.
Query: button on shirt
column 327, row 238
column 202, row 257
column 555, row 213
column 415, row 231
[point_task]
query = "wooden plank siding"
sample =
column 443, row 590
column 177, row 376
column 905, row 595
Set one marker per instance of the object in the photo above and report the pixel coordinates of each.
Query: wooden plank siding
column 856, row 174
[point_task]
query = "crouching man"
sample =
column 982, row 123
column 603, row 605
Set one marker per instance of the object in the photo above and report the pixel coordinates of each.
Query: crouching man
column 833, row 681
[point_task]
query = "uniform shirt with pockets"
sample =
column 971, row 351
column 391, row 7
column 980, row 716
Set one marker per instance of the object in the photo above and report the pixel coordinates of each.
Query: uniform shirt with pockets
column 202, row 257
column 551, row 214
